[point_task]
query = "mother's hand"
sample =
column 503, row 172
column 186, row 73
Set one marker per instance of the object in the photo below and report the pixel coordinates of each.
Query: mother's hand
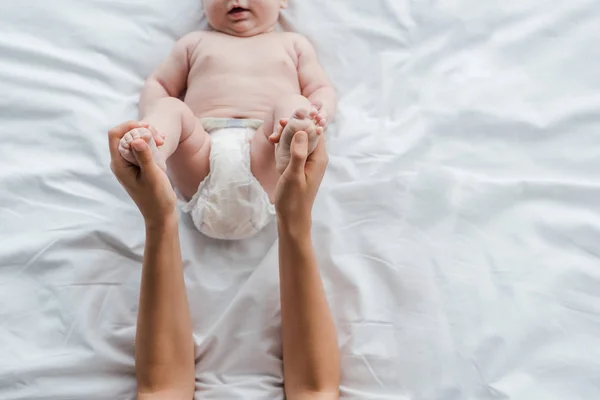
column 298, row 186
column 147, row 185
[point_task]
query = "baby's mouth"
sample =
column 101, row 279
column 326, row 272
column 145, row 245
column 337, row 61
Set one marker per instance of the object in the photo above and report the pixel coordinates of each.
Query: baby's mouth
column 237, row 10
column 238, row 14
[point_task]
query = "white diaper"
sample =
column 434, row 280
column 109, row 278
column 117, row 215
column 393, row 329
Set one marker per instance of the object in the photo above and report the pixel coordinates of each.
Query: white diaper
column 230, row 203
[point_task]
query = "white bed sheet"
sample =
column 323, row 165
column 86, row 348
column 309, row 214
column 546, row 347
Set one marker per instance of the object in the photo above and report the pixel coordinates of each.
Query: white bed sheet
column 458, row 227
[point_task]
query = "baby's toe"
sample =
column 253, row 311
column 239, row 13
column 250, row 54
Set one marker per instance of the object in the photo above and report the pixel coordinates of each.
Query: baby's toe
column 124, row 147
column 146, row 135
column 125, row 151
column 133, row 135
column 125, row 143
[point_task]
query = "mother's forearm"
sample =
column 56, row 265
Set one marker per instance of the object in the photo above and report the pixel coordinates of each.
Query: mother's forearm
column 164, row 348
column 310, row 348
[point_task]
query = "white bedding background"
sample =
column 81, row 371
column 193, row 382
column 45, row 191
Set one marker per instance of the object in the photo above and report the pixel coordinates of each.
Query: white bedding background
column 458, row 228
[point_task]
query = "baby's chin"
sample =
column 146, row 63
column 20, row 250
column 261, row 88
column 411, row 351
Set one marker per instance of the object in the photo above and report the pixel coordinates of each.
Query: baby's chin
column 245, row 29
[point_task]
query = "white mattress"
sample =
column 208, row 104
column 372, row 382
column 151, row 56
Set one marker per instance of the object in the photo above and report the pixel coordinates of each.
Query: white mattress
column 458, row 227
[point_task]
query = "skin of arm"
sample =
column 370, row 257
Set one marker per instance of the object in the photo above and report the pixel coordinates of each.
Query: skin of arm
column 170, row 77
column 314, row 83
column 164, row 347
column 310, row 348
column 311, row 361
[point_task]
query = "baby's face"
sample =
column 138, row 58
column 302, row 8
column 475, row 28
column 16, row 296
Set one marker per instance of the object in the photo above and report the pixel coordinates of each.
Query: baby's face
column 243, row 17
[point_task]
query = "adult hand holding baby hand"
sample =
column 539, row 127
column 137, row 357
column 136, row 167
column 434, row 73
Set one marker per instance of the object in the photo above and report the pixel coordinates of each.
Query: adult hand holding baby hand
column 147, row 185
column 298, row 186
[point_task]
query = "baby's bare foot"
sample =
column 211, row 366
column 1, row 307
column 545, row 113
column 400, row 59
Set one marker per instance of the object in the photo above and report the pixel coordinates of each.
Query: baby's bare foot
column 312, row 123
column 146, row 135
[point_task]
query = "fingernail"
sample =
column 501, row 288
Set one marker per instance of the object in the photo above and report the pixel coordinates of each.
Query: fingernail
column 301, row 138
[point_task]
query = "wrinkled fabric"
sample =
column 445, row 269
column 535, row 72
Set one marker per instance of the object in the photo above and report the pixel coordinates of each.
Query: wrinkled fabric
column 457, row 227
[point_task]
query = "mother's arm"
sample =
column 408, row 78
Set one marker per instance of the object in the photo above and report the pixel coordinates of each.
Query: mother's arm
column 311, row 364
column 164, row 348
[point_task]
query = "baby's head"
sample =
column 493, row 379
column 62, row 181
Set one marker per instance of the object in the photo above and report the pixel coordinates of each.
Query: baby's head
column 243, row 17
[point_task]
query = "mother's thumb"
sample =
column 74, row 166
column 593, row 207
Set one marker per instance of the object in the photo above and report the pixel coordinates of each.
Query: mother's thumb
column 142, row 153
column 299, row 151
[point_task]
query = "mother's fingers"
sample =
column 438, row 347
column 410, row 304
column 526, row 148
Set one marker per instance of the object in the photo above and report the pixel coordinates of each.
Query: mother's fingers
column 319, row 155
column 276, row 136
column 317, row 161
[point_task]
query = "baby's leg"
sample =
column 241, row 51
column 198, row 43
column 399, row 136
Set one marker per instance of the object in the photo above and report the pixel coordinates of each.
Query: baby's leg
column 262, row 151
column 266, row 166
column 172, row 118
column 185, row 140
column 286, row 107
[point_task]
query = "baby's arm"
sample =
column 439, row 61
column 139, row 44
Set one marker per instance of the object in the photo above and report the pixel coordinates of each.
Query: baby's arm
column 170, row 78
column 314, row 82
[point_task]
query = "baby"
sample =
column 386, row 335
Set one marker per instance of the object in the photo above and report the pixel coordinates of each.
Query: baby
column 245, row 87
